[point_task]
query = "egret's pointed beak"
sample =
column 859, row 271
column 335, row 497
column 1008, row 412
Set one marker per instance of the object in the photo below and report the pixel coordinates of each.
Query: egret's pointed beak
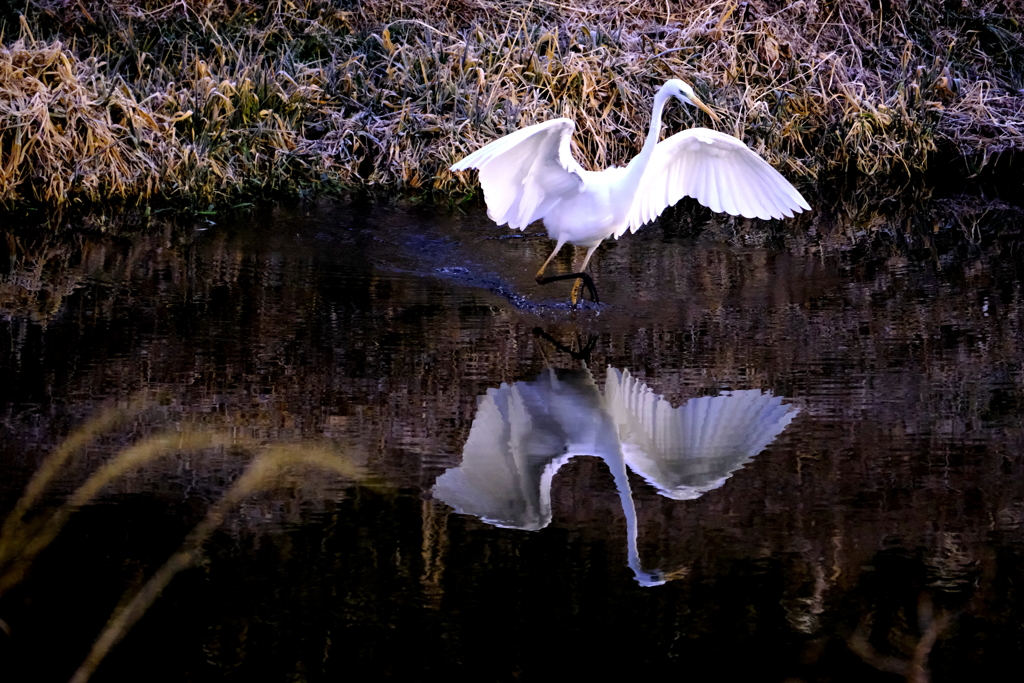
column 703, row 107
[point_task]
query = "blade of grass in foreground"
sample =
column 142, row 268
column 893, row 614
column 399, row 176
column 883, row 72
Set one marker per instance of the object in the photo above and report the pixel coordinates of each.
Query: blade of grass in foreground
column 262, row 475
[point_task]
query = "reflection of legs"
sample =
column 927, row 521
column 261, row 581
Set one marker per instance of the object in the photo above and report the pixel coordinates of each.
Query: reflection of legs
column 580, row 277
column 582, row 354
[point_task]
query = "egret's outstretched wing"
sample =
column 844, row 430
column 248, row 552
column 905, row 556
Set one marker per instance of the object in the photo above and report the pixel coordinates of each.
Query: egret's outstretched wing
column 526, row 174
column 686, row 451
column 717, row 170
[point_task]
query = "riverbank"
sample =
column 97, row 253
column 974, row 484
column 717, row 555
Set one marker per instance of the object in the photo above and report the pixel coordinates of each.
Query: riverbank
column 206, row 102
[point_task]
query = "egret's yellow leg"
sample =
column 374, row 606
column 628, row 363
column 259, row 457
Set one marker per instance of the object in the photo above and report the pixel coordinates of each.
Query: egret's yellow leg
column 574, row 296
column 542, row 280
column 540, row 273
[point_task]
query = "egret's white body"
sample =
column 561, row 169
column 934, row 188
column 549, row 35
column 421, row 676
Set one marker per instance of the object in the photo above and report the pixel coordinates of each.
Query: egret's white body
column 531, row 175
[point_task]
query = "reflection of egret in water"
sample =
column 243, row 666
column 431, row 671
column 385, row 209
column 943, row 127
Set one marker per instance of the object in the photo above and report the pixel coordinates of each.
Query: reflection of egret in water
column 524, row 432
column 687, row 451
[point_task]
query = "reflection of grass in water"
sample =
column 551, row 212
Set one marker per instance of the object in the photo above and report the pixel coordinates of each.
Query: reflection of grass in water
column 22, row 540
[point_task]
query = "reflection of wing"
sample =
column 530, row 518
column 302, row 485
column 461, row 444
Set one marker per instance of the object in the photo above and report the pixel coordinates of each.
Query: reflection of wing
column 687, row 451
column 520, row 437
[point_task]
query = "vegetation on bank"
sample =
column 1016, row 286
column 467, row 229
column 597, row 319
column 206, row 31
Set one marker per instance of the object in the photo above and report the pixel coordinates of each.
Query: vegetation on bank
column 208, row 101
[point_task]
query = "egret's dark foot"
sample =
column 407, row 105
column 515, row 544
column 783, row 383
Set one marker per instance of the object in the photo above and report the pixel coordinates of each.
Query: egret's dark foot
column 588, row 282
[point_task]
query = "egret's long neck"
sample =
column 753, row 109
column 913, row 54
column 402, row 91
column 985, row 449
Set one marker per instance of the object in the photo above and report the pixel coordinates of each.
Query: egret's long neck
column 639, row 163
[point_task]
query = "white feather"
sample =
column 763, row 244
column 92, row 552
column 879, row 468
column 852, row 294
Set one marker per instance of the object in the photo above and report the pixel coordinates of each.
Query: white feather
column 526, row 173
column 715, row 164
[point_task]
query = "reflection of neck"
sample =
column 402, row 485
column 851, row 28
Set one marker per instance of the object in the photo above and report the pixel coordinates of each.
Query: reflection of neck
column 617, row 465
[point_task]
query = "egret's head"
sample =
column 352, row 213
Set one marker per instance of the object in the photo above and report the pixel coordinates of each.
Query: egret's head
column 683, row 92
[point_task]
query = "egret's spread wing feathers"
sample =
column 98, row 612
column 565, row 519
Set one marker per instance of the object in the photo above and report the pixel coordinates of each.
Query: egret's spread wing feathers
column 717, row 170
column 525, row 174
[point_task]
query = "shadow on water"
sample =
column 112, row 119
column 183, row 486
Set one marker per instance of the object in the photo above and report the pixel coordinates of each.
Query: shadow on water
column 878, row 533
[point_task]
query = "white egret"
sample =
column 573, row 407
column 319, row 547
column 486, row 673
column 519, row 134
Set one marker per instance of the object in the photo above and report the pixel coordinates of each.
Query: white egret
column 531, row 175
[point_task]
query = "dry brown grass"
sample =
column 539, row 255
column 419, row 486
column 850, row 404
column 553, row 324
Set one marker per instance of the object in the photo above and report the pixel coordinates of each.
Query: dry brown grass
column 210, row 100
column 265, row 473
column 29, row 528
column 68, row 133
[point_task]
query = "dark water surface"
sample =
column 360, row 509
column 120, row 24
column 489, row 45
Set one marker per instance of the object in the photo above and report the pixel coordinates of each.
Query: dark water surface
column 793, row 454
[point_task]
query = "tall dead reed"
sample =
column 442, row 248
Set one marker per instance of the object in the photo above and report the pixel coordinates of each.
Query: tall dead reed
column 207, row 100
column 28, row 530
